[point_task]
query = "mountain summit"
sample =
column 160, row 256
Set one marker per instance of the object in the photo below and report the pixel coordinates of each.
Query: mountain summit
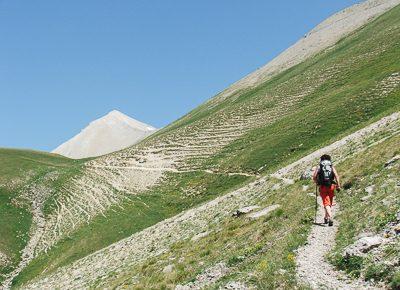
column 110, row 133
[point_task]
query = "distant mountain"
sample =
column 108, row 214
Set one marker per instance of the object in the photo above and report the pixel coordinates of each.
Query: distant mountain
column 110, row 133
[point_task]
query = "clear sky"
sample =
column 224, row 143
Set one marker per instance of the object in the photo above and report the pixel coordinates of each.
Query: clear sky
column 66, row 63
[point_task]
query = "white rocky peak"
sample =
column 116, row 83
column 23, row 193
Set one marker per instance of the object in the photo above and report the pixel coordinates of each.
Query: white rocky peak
column 115, row 117
column 112, row 132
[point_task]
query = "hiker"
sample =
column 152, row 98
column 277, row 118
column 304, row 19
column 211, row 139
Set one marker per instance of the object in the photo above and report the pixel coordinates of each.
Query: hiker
column 327, row 178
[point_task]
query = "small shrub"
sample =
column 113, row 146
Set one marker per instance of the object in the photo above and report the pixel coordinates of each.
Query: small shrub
column 263, row 266
column 235, row 260
column 377, row 272
column 253, row 249
column 279, row 212
column 352, row 265
column 383, row 219
column 395, row 283
column 205, row 253
column 307, row 220
column 348, row 184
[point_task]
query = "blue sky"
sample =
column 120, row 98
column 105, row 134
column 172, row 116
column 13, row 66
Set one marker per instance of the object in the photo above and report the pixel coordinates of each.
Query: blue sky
column 66, row 63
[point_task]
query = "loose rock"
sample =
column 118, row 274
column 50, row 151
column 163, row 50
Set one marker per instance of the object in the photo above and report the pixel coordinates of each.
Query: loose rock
column 389, row 163
column 199, row 236
column 207, row 278
column 168, row 269
column 307, row 174
column 233, row 285
column 245, row 210
column 3, row 259
column 363, row 246
column 370, row 189
column 263, row 212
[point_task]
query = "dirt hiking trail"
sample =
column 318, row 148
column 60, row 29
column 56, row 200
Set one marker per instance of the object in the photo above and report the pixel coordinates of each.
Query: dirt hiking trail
column 312, row 266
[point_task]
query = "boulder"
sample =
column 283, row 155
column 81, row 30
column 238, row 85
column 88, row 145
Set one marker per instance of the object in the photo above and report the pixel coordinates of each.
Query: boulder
column 199, row 236
column 370, row 189
column 263, row 212
column 396, row 229
column 245, row 210
column 307, row 174
column 234, row 285
column 363, row 245
column 276, row 186
column 365, row 197
column 168, row 269
column 390, row 162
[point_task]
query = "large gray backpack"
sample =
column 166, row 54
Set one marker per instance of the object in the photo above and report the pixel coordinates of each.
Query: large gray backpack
column 325, row 173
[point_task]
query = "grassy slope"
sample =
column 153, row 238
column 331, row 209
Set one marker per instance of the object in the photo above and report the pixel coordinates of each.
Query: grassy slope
column 262, row 252
column 19, row 169
column 135, row 214
column 347, row 86
column 344, row 95
column 14, row 228
column 346, row 98
column 371, row 215
column 261, row 247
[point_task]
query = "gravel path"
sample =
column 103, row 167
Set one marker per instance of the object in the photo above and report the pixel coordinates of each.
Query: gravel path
column 312, row 267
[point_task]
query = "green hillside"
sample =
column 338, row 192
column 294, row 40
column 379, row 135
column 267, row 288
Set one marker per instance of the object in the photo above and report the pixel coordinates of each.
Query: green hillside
column 19, row 170
column 230, row 143
column 261, row 252
column 350, row 83
column 354, row 83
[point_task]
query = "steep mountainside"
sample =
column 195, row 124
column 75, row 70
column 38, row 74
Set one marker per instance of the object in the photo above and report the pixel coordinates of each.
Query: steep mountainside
column 113, row 132
column 110, row 224
column 25, row 179
column 214, row 246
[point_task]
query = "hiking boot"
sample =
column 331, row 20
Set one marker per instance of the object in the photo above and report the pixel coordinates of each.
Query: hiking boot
column 330, row 223
column 325, row 221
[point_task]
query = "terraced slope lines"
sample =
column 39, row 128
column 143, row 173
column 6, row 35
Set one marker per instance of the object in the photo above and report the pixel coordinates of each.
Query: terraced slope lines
column 127, row 210
column 27, row 180
column 116, row 263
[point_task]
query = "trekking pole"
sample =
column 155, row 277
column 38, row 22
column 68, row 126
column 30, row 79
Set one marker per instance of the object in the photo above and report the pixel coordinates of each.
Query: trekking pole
column 316, row 203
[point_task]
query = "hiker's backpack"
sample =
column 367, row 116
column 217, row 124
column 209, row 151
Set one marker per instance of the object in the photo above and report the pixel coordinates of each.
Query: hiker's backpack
column 325, row 173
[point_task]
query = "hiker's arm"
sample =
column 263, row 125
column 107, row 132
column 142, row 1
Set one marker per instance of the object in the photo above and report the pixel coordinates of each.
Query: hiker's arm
column 337, row 177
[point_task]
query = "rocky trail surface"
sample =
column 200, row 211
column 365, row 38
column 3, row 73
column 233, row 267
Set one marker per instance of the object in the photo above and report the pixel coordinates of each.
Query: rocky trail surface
column 312, row 267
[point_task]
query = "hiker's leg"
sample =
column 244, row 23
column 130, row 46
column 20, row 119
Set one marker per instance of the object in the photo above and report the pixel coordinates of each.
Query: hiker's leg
column 328, row 212
column 331, row 195
column 325, row 202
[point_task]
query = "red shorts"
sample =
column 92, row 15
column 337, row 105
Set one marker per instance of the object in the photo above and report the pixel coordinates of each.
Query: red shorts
column 327, row 193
